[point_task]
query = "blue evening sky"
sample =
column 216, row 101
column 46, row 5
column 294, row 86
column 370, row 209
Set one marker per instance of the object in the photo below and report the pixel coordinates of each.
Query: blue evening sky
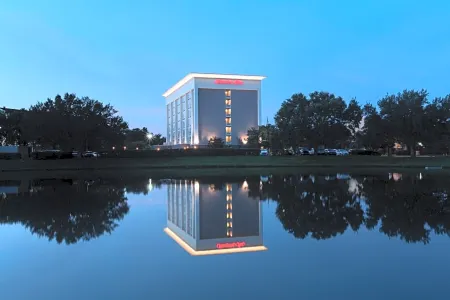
column 129, row 52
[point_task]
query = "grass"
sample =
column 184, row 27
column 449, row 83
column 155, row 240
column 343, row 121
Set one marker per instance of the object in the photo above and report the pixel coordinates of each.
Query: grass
column 222, row 162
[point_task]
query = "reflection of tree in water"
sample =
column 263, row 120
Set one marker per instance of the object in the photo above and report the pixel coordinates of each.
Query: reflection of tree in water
column 410, row 208
column 322, row 209
column 67, row 211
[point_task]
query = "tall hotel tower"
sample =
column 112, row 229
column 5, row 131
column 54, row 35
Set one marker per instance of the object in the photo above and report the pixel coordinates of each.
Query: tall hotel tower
column 202, row 106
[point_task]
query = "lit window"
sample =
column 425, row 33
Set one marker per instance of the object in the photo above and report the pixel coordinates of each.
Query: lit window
column 229, row 197
column 228, row 129
column 228, row 102
column 228, row 139
column 228, row 93
column 228, row 111
column 228, row 121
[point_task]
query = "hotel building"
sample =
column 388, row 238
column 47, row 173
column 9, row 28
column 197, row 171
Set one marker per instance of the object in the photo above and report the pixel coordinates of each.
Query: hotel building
column 202, row 106
column 205, row 220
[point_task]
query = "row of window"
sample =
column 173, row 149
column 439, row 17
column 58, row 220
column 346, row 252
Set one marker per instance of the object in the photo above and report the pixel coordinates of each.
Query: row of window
column 228, row 116
column 229, row 224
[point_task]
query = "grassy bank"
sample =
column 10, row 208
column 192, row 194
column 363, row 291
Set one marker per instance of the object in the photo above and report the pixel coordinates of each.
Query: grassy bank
column 222, row 162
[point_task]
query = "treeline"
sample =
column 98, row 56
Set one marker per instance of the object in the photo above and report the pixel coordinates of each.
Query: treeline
column 407, row 120
column 72, row 123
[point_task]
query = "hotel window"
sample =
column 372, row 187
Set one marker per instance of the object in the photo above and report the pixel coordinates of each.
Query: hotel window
column 228, row 111
column 228, row 139
column 228, row 121
column 228, row 129
column 228, row 93
column 228, row 102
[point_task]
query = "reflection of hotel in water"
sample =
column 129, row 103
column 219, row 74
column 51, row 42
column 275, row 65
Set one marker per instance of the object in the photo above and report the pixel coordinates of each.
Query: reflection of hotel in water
column 204, row 220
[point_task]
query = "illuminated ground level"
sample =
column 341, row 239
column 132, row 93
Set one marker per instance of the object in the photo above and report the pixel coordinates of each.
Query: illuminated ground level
column 223, row 248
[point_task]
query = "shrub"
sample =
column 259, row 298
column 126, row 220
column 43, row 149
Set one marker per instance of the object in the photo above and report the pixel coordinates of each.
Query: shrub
column 173, row 153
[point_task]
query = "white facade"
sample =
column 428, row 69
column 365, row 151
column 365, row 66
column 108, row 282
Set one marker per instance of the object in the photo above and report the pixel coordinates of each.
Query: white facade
column 182, row 102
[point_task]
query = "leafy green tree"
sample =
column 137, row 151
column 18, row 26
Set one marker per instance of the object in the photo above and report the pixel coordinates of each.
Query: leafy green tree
column 404, row 115
column 157, row 139
column 266, row 136
column 438, row 125
column 292, row 120
column 353, row 115
column 253, row 138
column 137, row 137
column 323, row 119
column 10, row 131
column 70, row 122
column 375, row 132
column 216, row 142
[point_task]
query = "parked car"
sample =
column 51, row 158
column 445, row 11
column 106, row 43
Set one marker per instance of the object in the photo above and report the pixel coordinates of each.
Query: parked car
column 90, row 154
column 303, row 151
column 330, row 152
column 341, row 152
column 264, row 152
column 321, row 152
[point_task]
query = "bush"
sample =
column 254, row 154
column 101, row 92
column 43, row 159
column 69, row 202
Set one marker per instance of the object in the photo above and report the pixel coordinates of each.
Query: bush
column 365, row 152
column 10, row 156
column 173, row 153
column 51, row 155
column 402, row 152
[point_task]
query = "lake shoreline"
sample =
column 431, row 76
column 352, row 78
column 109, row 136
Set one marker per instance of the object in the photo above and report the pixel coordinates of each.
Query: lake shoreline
column 192, row 166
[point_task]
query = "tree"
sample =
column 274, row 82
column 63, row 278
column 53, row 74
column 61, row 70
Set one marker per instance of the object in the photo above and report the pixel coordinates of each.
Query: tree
column 353, row 115
column 70, row 122
column 216, row 142
column 253, row 137
column 266, row 136
column 375, row 131
column 292, row 120
column 137, row 137
column 323, row 119
column 404, row 116
column 157, row 139
column 438, row 125
column 10, row 131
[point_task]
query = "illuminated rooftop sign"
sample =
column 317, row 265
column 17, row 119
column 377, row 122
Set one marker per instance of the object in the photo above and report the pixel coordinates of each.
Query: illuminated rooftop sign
column 229, row 81
column 232, row 77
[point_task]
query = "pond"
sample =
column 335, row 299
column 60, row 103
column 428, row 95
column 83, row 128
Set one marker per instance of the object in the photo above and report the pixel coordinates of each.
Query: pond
column 293, row 236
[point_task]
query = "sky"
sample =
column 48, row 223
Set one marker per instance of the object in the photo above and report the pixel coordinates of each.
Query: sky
column 128, row 53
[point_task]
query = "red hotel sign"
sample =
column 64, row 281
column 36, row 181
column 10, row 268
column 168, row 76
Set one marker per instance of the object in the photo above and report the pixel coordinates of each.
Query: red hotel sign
column 228, row 81
column 230, row 245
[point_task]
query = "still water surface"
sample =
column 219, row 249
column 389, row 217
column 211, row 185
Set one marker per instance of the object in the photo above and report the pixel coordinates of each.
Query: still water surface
column 310, row 236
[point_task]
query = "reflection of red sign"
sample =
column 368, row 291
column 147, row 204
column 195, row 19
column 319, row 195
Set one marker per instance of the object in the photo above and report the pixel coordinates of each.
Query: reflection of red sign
column 228, row 81
column 230, row 245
